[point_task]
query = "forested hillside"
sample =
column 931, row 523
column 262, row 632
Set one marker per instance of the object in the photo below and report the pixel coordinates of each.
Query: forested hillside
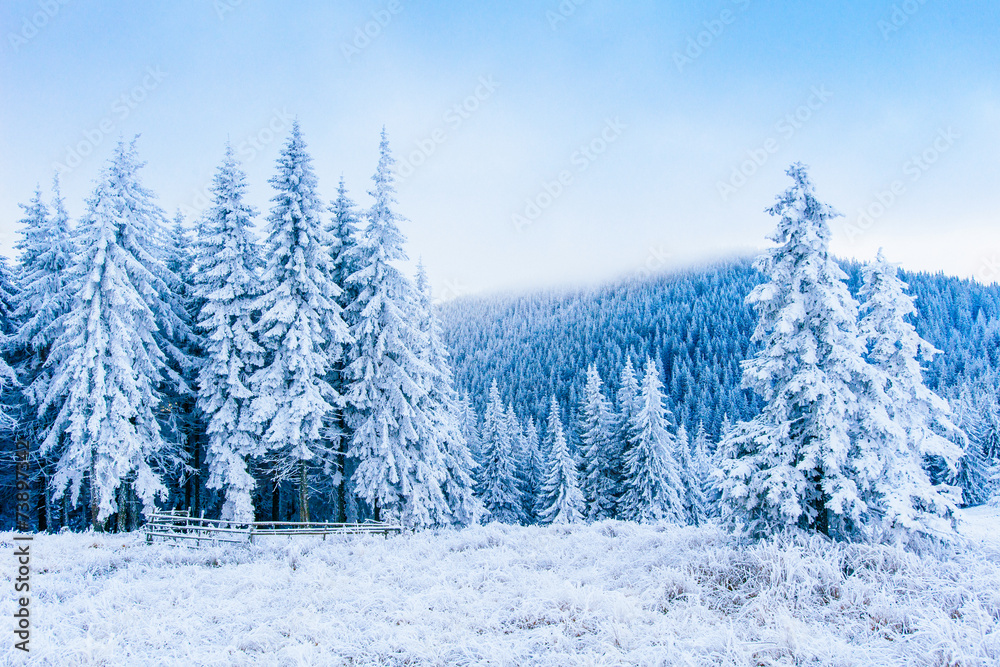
column 696, row 326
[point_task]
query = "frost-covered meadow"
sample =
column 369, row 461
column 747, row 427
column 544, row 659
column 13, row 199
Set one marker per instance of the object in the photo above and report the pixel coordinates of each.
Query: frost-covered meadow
column 610, row 593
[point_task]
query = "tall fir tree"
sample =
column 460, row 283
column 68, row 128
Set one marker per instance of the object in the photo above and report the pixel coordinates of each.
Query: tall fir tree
column 47, row 252
column 561, row 498
column 399, row 470
column 10, row 293
column 301, row 327
column 470, row 427
column 796, row 463
column 443, row 403
column 693, row 496
column 702, row 462
column 650, row 480
column 904, row 497
column 182, row 425
column 108, row 364
column 627, row 400
column 227, row 284
column 343, row 231
column 531, row 471
column 497, row 483
column 600, row 450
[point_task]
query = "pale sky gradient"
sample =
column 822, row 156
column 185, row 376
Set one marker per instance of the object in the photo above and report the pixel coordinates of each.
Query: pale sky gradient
column 872, row 89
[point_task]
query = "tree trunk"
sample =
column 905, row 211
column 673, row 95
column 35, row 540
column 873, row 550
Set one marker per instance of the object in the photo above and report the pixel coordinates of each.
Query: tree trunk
column 44, row 508
column 342, row 461
column 93, row 495
column 196, row 478
column 303, row 493
column 276, row 503
column 120, row 522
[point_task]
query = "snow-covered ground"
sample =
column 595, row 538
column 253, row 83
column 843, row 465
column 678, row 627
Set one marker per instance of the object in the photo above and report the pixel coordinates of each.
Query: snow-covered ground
column 606, row 594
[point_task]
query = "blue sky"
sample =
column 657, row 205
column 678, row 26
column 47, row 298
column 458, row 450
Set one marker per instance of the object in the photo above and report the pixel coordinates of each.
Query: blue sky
column 550, row 143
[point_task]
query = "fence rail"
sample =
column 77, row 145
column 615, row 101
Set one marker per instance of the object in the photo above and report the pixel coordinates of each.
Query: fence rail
column 179, row 527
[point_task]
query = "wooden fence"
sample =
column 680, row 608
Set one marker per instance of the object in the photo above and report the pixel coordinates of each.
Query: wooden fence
column 177, row 526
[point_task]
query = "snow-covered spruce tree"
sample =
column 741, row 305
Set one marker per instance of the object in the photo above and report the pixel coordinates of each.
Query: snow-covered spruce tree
column 497, row 483
column 47, row 251
column 599, row 448
column 301, row 328
column 561, row 499
column 904, row 497
column 797, row 463
column 399, row 470
column 531, row 470
column 108, row 363
column 520, row 453
column 344, row 231
column 693, row 497
column 702, row 463
column 443, row 404
column 627, row 401
column 972, row 477
column 181, row 421
column 9, row 383
column 470, row 427
column 227, row 284
column 343, row 234
column 651, row 483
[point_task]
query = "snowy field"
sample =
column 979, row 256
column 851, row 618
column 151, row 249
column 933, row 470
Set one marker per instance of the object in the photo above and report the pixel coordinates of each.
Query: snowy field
column 607, row 594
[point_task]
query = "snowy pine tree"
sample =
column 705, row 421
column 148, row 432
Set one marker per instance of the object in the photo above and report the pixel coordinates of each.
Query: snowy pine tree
column 702, row 462
column 227, row 284
column 399, row 470
column 9, row 382
column 627, row 399
column 905, row 498
column 600, row 450
column 47, row 252
column 797, row 463
column 532, row 470
column 470, row 427
column 343, row 235
column 443, row 403
column 344, row 231
column 300, row 327
column 561, row 499
column 497, row 483
column 108, row 363
column 651, row 483
column 695, row 509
